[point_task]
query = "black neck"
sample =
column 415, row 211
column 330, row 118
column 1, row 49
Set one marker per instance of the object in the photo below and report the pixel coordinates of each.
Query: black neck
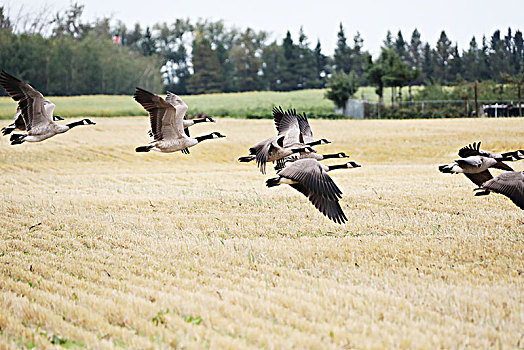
column 204, row 137
column 329, row 156
column 73, row 124
column 302, row 149
column 314, row 143
column 337, row 166
column 201, row 120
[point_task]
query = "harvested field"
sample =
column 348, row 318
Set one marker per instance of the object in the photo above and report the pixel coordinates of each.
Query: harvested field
column 102, row 247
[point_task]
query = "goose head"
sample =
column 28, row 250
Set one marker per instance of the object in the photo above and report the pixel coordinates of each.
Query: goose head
column 353, row 165
column 57, row 117
column 88, row 122
column 210, row 120
column 217, row 135
column 342, row 155
column 324, row 142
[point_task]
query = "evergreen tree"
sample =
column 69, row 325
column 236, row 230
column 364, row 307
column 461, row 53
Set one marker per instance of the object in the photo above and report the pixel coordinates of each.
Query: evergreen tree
column 273, row 65
column 400, row 46
column 360, row 59
column 388, row 42
column 415, row 54
column 442, row 58
column 246, row 58
column 206, row 77
column 289, row 76
column 147, row 43
column 342, row 56
column 306, row 61
column 470, row 62
column 428, row 66
column 321, row 67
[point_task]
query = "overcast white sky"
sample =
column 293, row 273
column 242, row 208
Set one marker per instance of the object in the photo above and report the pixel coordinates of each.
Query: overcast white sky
column 461, row 19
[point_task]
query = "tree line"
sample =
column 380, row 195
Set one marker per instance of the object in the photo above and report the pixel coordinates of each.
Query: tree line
column 64, row 55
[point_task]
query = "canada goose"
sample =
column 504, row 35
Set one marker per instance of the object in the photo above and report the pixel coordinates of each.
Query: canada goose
column 284, row 122
column 19, row 123
column 38, row 117
column 509, row 184
column 474, row 150
column 176, row 101
column 281, row 163
column 270, row 150
column 289, row 141
column 167, row 124
column 310, row 178
column 475, row 168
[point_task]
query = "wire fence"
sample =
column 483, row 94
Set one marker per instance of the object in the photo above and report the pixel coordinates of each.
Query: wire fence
column 433, row 109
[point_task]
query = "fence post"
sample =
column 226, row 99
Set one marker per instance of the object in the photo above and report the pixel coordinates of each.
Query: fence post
column 476, row 100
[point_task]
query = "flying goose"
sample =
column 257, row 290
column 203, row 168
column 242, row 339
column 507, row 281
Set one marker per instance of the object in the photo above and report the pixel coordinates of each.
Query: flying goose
column 284, row 122
column 474, row 150
column 38, row 117
column 270, row 150
column 167, row 124
column 311, row 178
column 509, row 184
column 289, row 141
column 176, row 101
column 475, row 168
column 19, row 123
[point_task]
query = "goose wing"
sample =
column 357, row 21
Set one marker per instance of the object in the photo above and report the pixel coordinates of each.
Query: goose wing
column 470, row 150
column 479, row 178
column 474, row 150
column 162, row 115
column 310, row 174
column 305, row 129
column 287, row 125
column 261, row 152
column 330, row 208
column 502, row 166
column 30, row 101
column 510, row 184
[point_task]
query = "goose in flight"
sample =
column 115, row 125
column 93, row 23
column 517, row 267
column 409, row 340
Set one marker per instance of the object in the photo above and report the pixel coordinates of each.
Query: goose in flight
column 167, row 124
column 37, row 116
column 474, row 150
column 509, row 184
column 176, row 101
column 284, row 122
column 19, row 123
column 475, row 168
column 311, row 178
column 288, row 141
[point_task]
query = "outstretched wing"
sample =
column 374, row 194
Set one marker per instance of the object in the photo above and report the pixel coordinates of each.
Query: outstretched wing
column 30, row 101
column 287, row 125
column 310, row 174
column 470, row 150
column 305, row 128
column 510, row 184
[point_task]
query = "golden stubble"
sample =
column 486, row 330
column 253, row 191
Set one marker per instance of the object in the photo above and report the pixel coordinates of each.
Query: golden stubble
column 103, row 247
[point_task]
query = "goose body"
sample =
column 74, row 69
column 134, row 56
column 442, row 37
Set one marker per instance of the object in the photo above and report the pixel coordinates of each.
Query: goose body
column 270, row 150
column 475, row 168
column 311, row 178
column 36, row 113
column 509, row 184
column 167, row 126
column 19, row 123
column 289, row 140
